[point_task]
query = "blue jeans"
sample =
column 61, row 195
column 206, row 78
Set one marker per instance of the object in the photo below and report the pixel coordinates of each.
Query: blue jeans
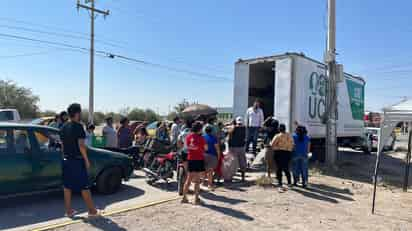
column 300, row 168
column 252, row 134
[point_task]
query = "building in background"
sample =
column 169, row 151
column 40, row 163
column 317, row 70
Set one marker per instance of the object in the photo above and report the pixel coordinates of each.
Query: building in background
column 224, row 113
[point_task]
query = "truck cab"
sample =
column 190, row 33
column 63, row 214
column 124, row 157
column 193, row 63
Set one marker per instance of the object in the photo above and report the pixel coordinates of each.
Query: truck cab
column 9, row 115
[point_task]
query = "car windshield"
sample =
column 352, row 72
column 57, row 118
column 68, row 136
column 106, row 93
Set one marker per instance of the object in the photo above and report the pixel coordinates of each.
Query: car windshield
column 373, row 131
column 152, row 125
column 6, row 115
column 37, row 121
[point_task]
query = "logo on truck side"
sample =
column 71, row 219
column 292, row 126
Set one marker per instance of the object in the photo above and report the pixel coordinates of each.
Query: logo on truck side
column 317, row 95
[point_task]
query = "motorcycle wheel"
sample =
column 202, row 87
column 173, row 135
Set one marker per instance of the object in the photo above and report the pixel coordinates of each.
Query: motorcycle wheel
column 181, row 178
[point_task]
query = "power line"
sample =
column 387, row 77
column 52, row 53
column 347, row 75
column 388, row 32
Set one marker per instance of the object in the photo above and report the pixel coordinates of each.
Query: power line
column 85, row 36
column 65, row 35
column 26, row 54
column 113, row 55
column 174, row 69
column 42, row 41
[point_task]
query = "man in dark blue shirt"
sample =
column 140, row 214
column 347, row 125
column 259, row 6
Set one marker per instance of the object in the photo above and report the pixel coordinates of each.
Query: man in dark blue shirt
column 75, row 162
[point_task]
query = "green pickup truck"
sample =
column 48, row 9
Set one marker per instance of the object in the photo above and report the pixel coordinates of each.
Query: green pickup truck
column 31, row 159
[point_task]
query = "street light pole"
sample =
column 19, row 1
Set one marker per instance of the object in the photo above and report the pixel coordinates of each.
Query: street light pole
column 331, row 96
column 92, row 10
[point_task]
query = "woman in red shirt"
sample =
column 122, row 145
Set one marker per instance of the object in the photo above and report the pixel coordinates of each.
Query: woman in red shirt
column 196, row 146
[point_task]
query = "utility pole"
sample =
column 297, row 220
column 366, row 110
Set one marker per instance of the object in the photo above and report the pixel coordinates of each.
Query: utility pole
column 331, row 99
column 92, row 10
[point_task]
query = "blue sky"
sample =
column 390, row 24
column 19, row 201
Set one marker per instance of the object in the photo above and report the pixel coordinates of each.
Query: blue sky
column 373, row 40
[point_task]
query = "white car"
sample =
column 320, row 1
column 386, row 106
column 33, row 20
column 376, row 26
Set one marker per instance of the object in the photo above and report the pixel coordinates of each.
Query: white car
column 9, row 115
column 372, row 138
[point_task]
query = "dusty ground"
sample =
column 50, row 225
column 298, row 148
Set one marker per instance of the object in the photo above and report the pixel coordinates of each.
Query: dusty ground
column 335, row 200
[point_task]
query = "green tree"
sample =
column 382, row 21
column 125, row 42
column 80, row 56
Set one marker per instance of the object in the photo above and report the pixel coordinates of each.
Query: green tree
column 116, row 116
column 136, row 114
column 47, row 113
column 143, row 115
column 98, row 117
column 21, row 98
column 172, row 115
column 151, row 115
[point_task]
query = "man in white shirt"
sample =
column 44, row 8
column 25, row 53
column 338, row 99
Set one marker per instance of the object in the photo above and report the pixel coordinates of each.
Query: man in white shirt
column 110, row 134
column 175, row 130
column 254, row 121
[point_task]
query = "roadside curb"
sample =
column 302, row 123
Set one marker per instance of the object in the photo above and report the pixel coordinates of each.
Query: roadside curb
column 108, row 213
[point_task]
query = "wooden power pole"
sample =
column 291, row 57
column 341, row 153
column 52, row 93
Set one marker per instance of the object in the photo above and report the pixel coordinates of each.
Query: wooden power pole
column 93, row 11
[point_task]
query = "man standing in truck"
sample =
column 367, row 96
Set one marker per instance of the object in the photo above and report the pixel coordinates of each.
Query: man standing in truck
column 254, row 121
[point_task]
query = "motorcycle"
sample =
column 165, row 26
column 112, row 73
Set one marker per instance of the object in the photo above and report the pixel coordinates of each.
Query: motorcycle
column 159, row 161
column 135, row 152
column 181, row 171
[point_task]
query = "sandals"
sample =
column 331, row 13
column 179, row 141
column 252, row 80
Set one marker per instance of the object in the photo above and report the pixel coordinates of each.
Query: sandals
column 72, row 214
column 96, row 215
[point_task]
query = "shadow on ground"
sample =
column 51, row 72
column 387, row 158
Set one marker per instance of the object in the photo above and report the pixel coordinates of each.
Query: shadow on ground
column 22, row 211
column 229, row 212
column 105, row 224
column 170, row 186
column 358, row 166
column 325, row 193
column 221, row 198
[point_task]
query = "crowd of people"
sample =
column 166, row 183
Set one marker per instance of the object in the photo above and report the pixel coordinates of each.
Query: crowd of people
column 213, row 151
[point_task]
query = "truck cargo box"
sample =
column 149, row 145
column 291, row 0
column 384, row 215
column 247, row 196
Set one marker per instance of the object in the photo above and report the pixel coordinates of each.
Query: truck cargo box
column 292, row 87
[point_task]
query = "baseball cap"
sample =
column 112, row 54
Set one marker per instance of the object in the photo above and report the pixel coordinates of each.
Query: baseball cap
column 239, row 120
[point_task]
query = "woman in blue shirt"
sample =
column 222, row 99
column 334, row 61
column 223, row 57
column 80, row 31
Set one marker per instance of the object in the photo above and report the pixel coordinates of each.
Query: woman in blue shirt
column 211, row 155
column 300, row 156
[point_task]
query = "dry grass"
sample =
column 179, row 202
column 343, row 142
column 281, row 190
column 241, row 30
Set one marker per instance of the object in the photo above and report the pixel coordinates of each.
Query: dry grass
column 264, row 181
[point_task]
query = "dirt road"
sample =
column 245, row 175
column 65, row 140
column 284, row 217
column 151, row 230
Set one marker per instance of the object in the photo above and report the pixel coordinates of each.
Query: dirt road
column 338, row 201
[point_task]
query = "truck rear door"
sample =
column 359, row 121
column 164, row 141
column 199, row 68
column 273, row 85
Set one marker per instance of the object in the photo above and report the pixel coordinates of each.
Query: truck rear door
column 283, row 91
column 241, row 90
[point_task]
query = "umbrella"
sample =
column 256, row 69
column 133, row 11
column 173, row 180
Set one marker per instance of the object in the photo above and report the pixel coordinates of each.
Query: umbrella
column 199, row 110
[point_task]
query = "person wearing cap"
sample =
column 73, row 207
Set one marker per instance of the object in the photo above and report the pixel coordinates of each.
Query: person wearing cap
column 254, row 121
column 110, row 134
column 236, row 141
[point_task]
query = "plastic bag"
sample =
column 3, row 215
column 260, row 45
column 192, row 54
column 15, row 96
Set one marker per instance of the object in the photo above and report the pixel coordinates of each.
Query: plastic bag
column 230, row 165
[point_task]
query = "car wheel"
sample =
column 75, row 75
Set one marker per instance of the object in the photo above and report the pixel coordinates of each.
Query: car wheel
column 109, row 181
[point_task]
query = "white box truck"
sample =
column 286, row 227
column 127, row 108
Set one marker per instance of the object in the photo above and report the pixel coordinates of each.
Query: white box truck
column 292, row 87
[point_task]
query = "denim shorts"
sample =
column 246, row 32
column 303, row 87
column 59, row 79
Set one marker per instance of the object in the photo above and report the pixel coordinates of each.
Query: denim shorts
column 75, row 176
